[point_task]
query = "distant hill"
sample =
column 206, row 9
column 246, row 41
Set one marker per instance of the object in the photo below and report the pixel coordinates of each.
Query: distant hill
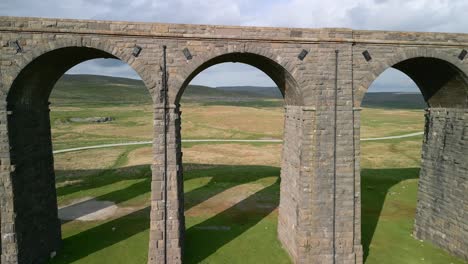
column 101, row 90
column 394, row 100
column 268, row 92
column 205, row 93
column 94, row 89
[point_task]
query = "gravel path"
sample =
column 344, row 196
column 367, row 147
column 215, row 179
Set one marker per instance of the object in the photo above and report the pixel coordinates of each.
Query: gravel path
column 218, row 140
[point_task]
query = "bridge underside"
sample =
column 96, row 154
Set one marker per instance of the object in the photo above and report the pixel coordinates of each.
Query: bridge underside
column 320, row 203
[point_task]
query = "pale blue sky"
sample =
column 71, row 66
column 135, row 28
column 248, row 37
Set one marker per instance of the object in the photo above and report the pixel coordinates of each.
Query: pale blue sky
column 404, row 15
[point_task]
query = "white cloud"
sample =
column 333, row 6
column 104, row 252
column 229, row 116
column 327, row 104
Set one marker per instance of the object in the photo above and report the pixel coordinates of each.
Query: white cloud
column 107, row 67
column 404, row 15
column 80, row 9
column 393, row 80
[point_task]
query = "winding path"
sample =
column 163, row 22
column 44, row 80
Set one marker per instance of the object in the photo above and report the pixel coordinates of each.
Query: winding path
column 217, row 140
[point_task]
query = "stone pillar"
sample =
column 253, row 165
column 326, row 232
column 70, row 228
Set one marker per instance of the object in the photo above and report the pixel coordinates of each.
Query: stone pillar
column 8, row 238
column 31, row 230
column 175, row 209
column 441, row 214
column 294, row 221
column 334, row 183
column 357, row 185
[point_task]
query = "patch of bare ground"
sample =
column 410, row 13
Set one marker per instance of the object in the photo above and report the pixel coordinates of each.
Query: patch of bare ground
column 234, row 154
column 140, row 156
column 390, row 154
column 232, row 197
column 216, row 154
column 90, row 209
column 80, row 163
column 231, row 121
column 136, row 131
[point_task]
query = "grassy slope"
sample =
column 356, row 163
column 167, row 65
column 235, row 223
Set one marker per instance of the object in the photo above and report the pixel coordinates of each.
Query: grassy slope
column 394, row 100
column 102, row 90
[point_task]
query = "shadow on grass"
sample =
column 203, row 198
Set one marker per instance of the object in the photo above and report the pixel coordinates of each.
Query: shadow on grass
column 204, row 239
column 102, row 236
column 99, row 178
column 201, row 240
column 83, row 208
column 375, row 184
column 224, row 177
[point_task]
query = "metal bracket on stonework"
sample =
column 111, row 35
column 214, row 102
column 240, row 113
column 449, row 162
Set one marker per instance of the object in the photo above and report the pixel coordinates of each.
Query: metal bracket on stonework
column 462, row 55
column 187, row 54
column 366, row 55
column 302, row 55
column 136, row 51
column 357, row 108
column 163, row 91
column 161, row 95
column 15, row 44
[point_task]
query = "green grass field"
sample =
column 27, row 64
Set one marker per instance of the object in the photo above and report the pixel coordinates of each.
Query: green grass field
column 389, row 187
column 388, row 204
column 231, row 190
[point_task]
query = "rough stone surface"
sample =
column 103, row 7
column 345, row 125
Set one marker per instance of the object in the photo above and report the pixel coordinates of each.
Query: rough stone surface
column 441, row 215
column 320, row 204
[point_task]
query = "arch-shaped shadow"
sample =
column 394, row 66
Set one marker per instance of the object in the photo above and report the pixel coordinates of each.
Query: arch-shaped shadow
column 99, row 178
column 237, row 175
column 212, row 240
column 374, row 191
column 102, row 236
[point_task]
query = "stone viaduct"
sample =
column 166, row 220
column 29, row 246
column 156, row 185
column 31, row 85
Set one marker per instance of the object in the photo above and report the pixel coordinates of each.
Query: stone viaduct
column 323, row 75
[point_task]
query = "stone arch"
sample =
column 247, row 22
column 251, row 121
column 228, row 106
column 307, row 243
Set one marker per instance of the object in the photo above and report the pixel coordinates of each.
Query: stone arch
column 443, row 81
column 280, row 70
column 435, row 72
column 33, row 226
column 297, row 121
column 96, row 49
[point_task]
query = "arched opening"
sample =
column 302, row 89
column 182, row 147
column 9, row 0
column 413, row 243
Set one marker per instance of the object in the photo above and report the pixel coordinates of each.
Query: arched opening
column 412, row 124
column 56, row 198
column 283, row 79
column 234, row 198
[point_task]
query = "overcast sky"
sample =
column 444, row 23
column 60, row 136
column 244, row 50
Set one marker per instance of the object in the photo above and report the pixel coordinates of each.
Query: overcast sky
column 403, row 15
